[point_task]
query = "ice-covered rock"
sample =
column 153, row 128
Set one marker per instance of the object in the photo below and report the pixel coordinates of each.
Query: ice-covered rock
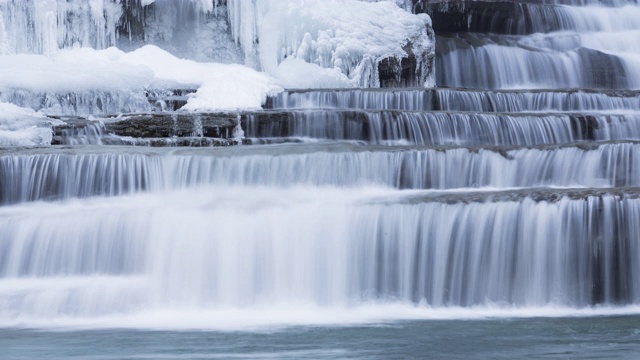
column 348, row 35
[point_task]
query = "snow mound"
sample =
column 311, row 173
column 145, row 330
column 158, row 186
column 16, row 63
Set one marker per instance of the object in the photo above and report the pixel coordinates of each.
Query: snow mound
column 24, row 127
column 27, row 79
column 230, row 87
column 296, row 73
column 221, row 86
column 73, row 70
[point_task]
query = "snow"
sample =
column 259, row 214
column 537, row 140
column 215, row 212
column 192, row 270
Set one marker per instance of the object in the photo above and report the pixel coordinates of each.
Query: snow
column 229, row 87
column 295, row 73
column 74, row 70
column 350, row 36
column 224, row 86
column 24, row 127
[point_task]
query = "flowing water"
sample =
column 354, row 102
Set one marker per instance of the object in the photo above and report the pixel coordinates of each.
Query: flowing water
column 496, row 219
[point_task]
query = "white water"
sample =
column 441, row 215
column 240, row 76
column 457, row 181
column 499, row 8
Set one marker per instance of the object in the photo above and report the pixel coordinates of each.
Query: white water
column 458, row 100
column 577, row 46
column 270, row 318
column 443, row 128
column 61, row 176
column 117, row 262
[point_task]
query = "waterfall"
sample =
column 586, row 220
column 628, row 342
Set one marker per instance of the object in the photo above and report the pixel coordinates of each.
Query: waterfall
column 61, row 175
column 237, row 247
column 544, row 101
column 444, row 128
column 588, row 46
column 358, row 191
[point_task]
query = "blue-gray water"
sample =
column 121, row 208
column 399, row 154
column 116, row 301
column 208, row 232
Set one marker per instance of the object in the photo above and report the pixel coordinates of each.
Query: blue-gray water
column 610, row 337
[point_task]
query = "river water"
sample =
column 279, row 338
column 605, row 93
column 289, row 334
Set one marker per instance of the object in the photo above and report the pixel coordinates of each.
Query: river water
column 611, row 337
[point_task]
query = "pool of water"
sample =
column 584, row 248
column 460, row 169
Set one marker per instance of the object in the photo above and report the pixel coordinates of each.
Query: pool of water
column 597, row 337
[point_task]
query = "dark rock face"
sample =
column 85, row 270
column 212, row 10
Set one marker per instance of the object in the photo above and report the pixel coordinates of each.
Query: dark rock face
column 132, row 23
column 410, row 71
column 506, row 17
column 153, row 129
column 605, row 70
column 174, row 125
column 135, row 17
column 498, row 16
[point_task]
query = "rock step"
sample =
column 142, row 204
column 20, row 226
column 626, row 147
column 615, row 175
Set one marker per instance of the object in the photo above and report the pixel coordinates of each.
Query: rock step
column 134, row 128
column 169, row 100
column 549, row 195
column 373, row 127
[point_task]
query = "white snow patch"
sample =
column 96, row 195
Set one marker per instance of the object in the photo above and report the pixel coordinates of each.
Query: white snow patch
column 73, row 70
column 24, row 127
column 296, row 73
column 347, row 35
column 223, row 86
column 228, row 87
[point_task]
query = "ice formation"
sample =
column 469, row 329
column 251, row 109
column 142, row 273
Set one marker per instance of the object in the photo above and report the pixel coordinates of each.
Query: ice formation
column 349, row 35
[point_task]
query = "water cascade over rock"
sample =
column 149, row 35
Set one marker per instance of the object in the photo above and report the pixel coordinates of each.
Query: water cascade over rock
column 529, row 44
column 514, row 184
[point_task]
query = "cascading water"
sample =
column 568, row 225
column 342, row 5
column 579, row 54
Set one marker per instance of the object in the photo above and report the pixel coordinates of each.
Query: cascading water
column 518, row 194
column 529, row 45
column 61, row 175
column 523, row 252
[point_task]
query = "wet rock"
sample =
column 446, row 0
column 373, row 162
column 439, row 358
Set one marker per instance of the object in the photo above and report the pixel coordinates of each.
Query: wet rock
column 416, row 69
column 486, row 16
column 163, row 125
